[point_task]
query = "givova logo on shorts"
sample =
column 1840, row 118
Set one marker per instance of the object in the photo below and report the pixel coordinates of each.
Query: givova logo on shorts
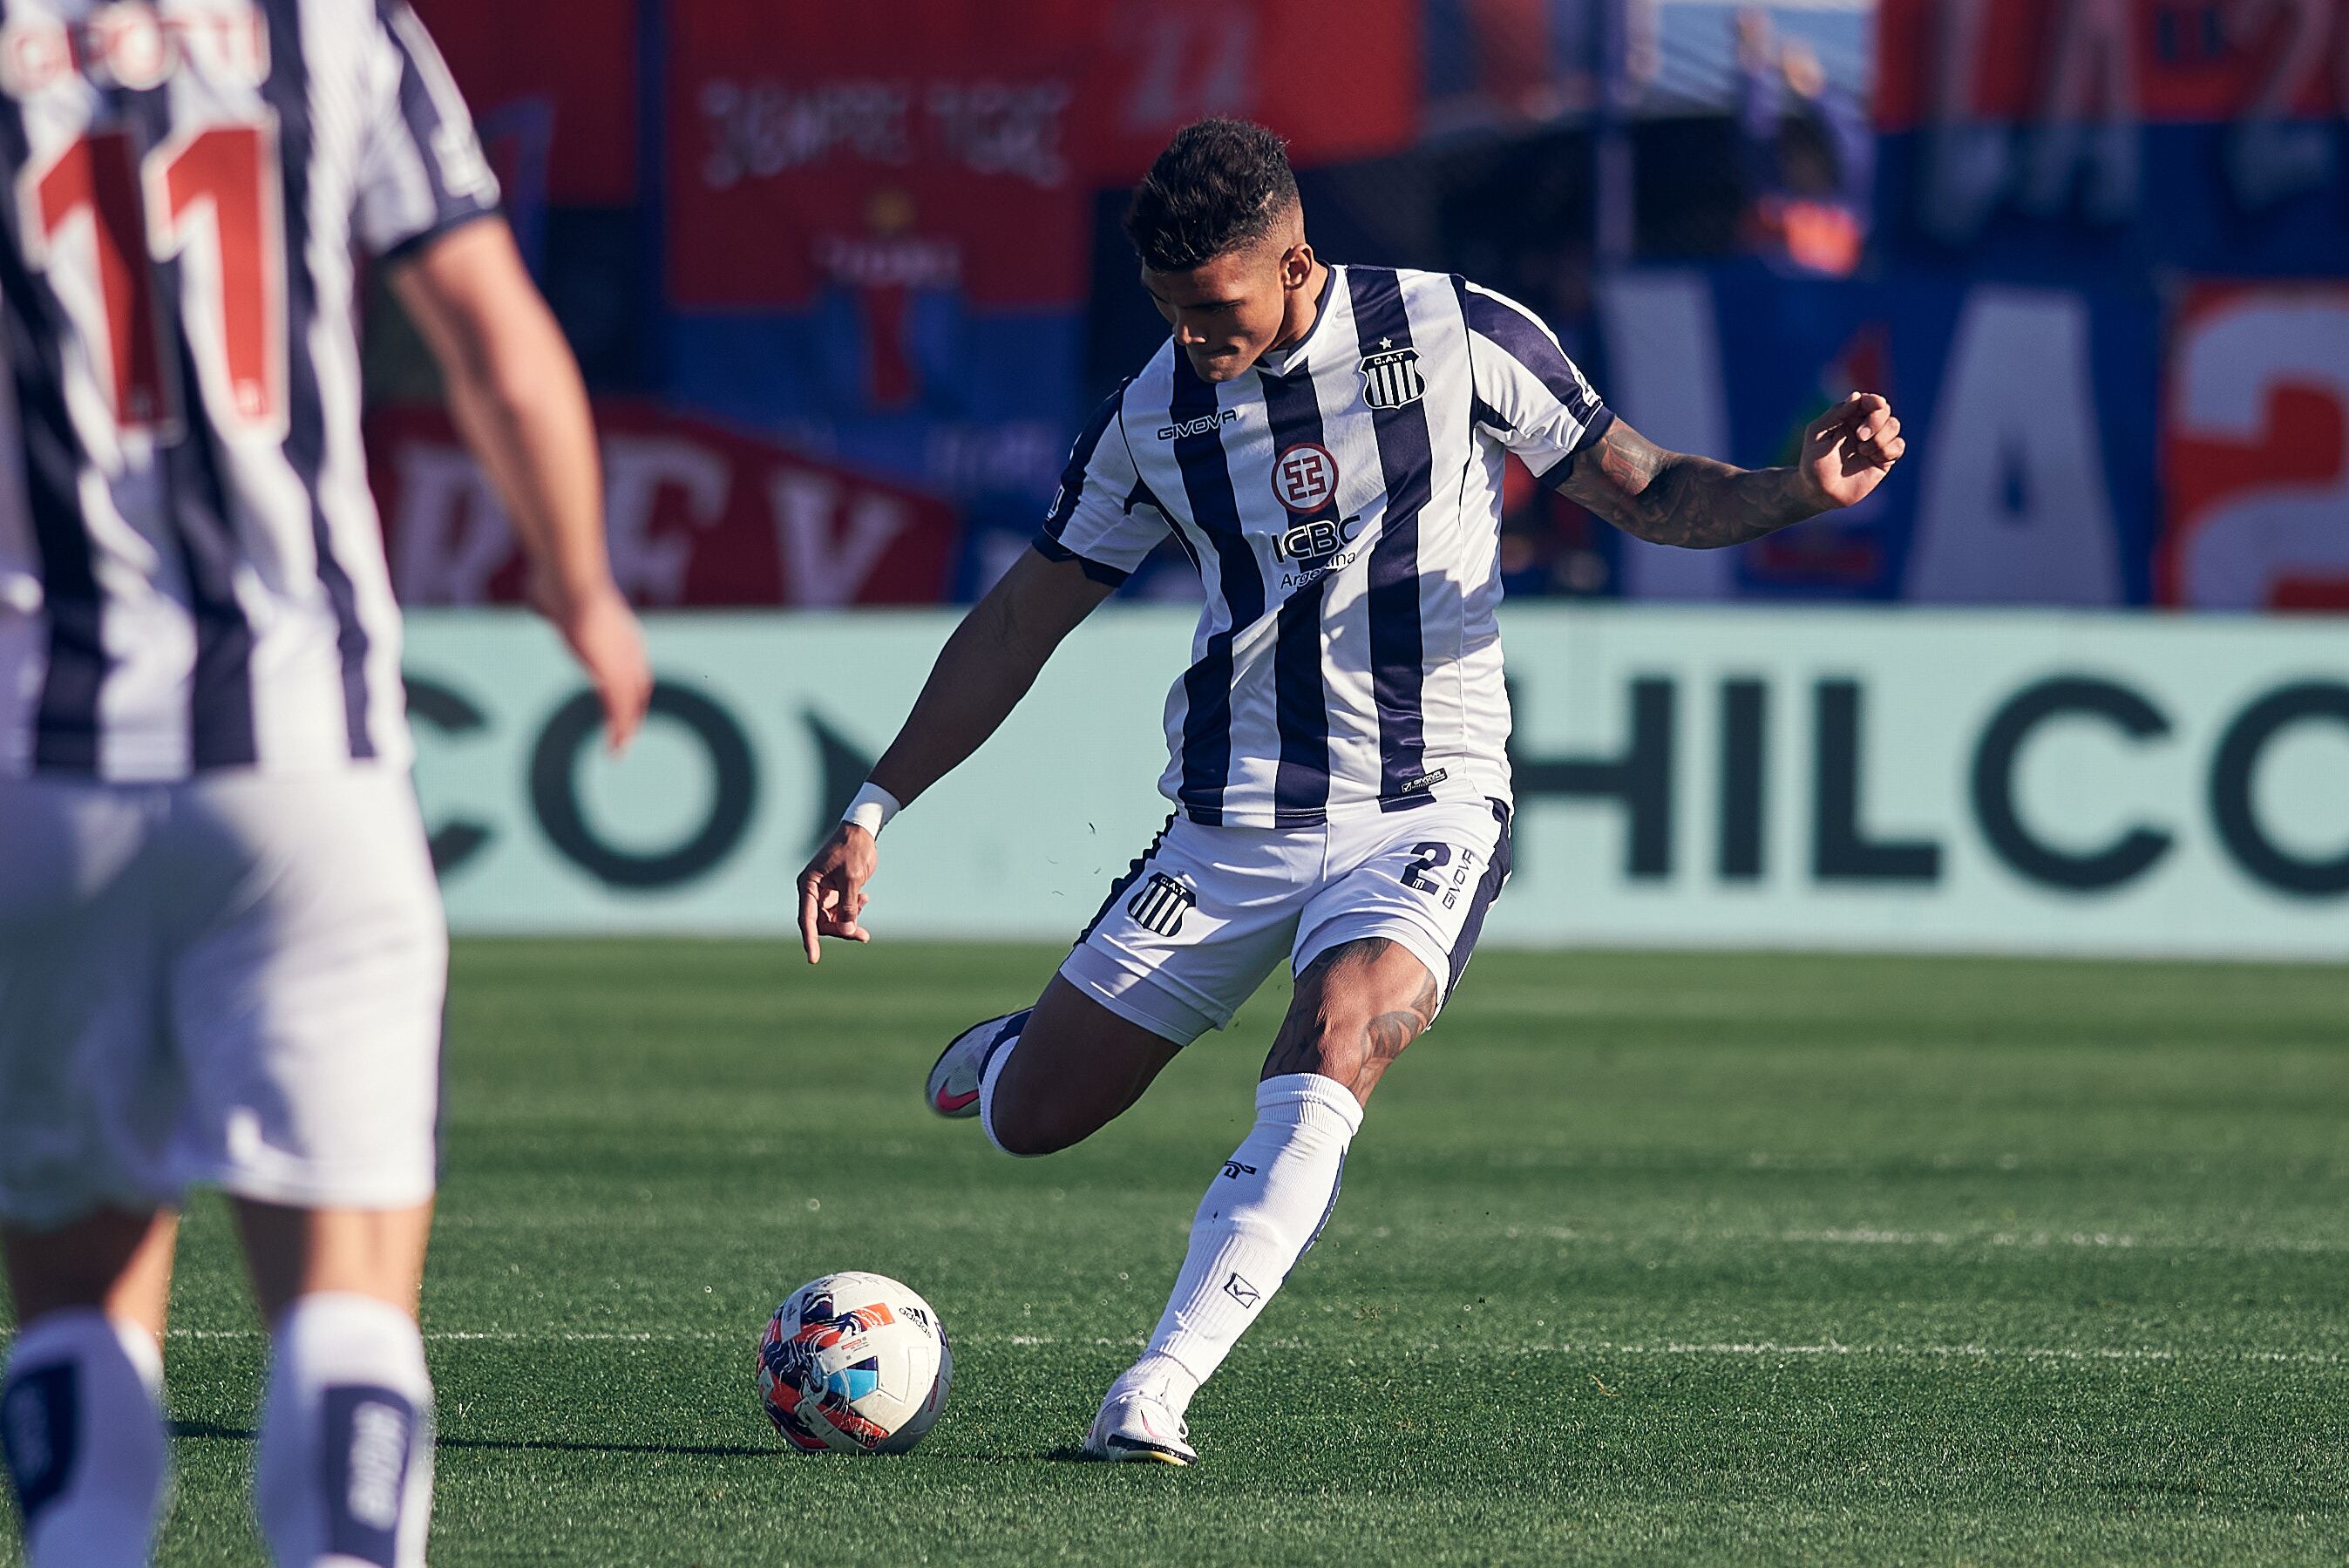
column 1161, row 904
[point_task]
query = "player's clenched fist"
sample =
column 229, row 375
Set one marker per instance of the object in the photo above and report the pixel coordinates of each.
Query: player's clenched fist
column 832, row 889
column 1849, row 450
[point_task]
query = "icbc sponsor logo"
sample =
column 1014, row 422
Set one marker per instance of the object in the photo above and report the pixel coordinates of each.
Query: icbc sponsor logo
column 1312, row 540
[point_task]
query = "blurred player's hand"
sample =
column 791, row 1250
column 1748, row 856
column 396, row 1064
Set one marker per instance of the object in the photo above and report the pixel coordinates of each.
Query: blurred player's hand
column 832, row 889
column 1849, row 450
column 610, row 647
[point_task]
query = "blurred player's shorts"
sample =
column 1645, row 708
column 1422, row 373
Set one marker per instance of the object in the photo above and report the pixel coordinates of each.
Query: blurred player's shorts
column 234, row 982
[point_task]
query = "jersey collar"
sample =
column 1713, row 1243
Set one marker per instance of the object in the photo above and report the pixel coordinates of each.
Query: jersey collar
column 1293, row 358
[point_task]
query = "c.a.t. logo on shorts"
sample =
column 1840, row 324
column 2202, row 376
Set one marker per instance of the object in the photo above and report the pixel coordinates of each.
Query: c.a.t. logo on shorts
column 1304, row 477
column 1161, row 904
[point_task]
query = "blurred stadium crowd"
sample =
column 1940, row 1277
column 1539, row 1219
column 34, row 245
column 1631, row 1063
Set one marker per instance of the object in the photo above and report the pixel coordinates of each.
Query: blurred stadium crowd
column 844, row 280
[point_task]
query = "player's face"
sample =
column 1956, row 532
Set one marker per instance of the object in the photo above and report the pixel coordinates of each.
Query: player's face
column 1228, row 311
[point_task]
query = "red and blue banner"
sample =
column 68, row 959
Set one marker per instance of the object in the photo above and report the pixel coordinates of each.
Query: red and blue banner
column 2255, row 449
column 2065, row 134
column 880, row 217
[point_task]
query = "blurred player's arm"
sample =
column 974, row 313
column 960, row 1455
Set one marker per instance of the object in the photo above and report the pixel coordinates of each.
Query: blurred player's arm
column 981, row 673
column 515, row 394
column 1678, row 498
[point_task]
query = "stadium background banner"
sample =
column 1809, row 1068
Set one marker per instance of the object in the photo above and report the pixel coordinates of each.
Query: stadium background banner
column 2021, row 781
column 2255, row 451
column 2031, row 412
column 2118, row 134
column 879, row 217
column 695, row 513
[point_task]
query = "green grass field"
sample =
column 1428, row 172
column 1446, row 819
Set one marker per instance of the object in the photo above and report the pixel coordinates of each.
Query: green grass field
column 1640, row 1258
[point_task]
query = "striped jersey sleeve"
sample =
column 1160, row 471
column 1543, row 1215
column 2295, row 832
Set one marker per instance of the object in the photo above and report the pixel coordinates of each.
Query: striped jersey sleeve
column 422, row 172
column 1102, row 517
column 1528, row 395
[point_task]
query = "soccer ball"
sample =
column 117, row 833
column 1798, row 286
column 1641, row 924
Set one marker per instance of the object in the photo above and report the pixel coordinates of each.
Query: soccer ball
column 854, row 1362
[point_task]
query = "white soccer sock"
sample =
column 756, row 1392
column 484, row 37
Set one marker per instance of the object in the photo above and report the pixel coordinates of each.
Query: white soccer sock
column 986, row 1083
column 343, row 1471
column 1260, row 1214
column 82, row 1417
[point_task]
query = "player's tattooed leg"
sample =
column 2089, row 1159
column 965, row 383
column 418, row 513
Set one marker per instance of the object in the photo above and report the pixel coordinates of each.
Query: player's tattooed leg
column 1356, row 1007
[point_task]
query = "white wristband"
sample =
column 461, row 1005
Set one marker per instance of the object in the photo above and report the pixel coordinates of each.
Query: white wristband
column 871, row 809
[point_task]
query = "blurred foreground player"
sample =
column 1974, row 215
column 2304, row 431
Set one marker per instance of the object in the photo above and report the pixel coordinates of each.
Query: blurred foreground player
column 1326, row 445
column 221, row 952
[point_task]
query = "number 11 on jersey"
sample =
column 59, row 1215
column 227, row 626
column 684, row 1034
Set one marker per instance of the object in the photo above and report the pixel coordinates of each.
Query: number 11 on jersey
column 138, row 211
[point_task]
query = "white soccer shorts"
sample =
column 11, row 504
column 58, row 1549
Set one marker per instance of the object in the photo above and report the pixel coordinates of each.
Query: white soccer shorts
column 232, row 982
column 1193, row 928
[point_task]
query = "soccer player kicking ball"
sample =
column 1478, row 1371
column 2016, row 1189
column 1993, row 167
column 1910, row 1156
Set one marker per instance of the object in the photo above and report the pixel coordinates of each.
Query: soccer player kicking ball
column 221, row 952
column 1326, row 444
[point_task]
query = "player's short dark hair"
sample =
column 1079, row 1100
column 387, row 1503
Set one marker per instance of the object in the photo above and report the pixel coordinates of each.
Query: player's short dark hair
column 1219, row 185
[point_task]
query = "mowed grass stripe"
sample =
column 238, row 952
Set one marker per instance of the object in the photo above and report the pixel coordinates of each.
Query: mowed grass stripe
column 1742, row 1258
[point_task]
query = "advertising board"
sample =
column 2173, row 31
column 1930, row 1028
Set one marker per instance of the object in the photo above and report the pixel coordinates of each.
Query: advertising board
column 2030, row 782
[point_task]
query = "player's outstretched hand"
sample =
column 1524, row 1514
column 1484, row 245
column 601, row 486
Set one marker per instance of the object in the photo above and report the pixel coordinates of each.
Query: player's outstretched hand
column 832, row 889
column 1849, row 450
column 610, row 647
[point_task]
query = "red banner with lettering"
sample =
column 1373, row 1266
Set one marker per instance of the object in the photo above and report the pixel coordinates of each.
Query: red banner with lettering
column 553, row 84
column 2176, row 60
column 698, row 514
column 2255, row 449
column 929, row 145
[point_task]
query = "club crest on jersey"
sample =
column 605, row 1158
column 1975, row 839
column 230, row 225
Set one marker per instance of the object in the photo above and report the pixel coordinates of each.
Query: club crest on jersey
column 1304, row 477
column 1391, row 378
column 1161, row 904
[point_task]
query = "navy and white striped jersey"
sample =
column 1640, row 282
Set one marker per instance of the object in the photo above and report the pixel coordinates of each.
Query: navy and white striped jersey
column 192, row 573
column 1342, row 503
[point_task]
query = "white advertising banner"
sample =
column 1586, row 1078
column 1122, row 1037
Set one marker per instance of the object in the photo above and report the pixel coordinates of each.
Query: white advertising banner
column 2029, row 782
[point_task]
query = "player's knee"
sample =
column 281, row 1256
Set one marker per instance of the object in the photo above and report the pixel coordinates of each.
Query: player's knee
column 1025, row 1128
column 1026, row 1117
column 1343, row 1040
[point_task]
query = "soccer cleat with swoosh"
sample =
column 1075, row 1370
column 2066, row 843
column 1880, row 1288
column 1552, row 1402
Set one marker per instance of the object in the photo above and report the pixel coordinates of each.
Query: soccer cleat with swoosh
column 953, row 1086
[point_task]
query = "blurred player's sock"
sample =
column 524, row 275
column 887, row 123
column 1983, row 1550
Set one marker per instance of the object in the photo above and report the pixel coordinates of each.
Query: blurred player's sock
column 1261, row 1211
column 83, row 1422
column 343, row 1471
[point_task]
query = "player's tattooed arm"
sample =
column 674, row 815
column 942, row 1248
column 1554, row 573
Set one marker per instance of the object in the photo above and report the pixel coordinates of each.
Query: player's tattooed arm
column 1697, row 503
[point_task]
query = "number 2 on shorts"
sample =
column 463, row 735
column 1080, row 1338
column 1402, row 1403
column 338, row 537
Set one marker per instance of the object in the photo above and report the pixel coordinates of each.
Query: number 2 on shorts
column 1434, row 857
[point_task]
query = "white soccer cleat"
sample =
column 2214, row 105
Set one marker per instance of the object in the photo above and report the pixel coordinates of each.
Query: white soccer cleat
column 953, row 1086
column 1136, row 1424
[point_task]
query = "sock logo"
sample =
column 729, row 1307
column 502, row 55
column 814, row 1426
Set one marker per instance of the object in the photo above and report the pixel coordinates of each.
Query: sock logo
column 368, row 1435
column 40, row 1416
column 1238, row 1288
column 1232, row 1167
